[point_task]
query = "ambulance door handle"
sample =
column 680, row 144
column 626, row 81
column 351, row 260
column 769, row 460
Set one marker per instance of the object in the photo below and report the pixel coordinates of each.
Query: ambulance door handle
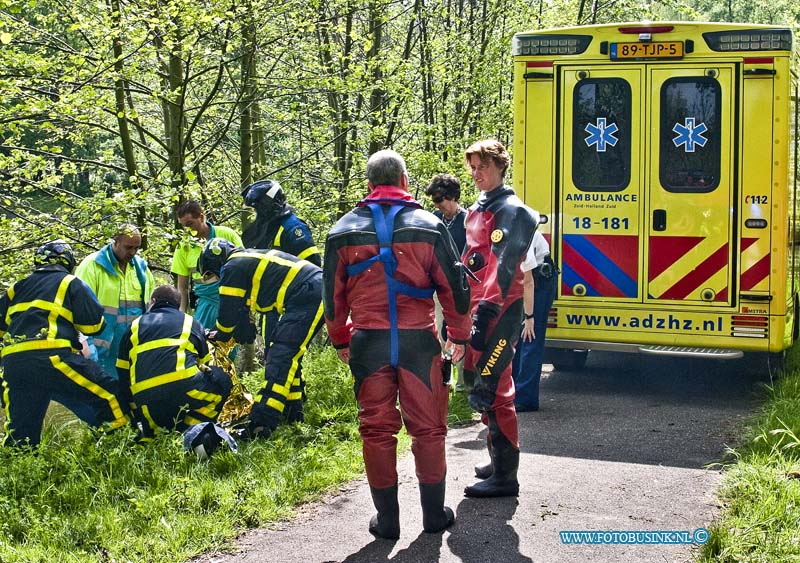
column 659, row 219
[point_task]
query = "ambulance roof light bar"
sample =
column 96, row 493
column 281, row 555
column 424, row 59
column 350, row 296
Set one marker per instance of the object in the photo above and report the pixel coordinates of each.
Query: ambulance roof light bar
column 550, row 44
column 750, row 40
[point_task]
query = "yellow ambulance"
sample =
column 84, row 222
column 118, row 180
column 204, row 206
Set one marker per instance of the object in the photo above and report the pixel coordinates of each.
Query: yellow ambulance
column 662, row 157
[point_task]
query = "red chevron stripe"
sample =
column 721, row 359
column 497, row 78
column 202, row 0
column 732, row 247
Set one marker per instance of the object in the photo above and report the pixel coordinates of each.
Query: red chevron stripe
column 623, row 250
column 588, row 272
column 665, row 251
column 703, row 272
column 747, row 242
column 755, row 273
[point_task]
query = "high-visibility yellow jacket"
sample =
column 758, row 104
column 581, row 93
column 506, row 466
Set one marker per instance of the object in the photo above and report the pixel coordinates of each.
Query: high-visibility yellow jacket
column 123, row 295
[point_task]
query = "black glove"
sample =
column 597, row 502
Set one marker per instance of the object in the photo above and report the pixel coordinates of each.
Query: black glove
column 211, row 335
column 480, row 322
column 483, row 394
column 245, row 333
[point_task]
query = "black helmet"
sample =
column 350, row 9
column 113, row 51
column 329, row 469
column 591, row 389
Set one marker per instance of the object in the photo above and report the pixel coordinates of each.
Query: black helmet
column 214, row 255
column 55, row 252
column 265, row 196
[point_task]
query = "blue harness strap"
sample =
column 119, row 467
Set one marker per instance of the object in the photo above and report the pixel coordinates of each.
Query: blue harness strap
column 384, row 229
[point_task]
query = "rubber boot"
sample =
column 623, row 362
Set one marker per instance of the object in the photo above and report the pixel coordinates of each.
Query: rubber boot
column 503, row 481
column 386, row 523
column 435, row 515
column 485, row 471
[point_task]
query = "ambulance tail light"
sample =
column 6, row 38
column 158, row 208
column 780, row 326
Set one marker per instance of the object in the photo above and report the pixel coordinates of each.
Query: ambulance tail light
column 750, row 40
column 640, row 29
column 552, row 318
column 750, row 326
column 547, row 44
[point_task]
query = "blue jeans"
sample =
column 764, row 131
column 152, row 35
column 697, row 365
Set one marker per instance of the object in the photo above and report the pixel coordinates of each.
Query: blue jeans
column 527, row 365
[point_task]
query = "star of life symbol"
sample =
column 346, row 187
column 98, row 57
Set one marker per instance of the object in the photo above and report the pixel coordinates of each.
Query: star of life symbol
column 601, row 134
column 690, row 135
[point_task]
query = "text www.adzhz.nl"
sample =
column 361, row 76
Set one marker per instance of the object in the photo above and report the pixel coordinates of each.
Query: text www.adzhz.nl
column 669, row 322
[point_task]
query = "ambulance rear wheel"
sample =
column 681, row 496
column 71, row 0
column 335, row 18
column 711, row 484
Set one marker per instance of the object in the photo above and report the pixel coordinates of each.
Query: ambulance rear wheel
column 568, row 360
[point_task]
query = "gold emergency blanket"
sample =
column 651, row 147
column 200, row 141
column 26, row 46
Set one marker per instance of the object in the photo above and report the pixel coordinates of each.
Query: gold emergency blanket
column 240, row 402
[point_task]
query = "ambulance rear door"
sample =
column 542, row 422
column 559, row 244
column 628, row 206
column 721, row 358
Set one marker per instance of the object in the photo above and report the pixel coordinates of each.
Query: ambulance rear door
column 600, row 183
column 691, row 216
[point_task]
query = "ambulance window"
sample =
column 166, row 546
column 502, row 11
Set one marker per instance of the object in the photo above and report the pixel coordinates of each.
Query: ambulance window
column 601, row 146
column 690, row 134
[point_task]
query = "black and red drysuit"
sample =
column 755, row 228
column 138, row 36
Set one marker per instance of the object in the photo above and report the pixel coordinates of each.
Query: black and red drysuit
column 383, row 262
column 500, row 229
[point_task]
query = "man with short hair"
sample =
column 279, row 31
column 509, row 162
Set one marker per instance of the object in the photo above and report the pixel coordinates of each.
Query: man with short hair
column 383, row 263
column 163, row 368
column 122, row 283
column 41, row 318
column 184, row 262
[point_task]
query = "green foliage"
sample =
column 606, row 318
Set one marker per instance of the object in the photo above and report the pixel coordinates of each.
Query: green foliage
column 114, row 112
column 761, row 492
column 459, row 410
column 83, row 496
column 762, row 511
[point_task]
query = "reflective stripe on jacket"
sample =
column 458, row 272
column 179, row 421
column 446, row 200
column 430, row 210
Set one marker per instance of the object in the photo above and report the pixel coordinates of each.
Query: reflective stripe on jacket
column 258, row 281
column 46, row 310
column 162, row 346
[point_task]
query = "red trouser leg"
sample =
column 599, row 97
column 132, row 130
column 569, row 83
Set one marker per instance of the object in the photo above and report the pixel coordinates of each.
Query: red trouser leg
column 379, row 423
column 424, row 413
column 495, row 361
column 503, row 407
column 425, row 416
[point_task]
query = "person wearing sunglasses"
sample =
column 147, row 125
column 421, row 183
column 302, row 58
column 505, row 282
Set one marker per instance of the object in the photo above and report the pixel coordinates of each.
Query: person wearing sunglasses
column 445, row 192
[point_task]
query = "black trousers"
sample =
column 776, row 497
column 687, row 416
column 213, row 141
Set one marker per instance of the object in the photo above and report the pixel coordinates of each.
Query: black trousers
column 183, row 403
column 32, row 379
column 284, row 386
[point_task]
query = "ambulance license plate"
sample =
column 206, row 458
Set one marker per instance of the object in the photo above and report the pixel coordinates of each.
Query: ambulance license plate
column 658, row 50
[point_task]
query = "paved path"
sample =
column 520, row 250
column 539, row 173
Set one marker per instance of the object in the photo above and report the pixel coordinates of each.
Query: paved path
column 620, row 446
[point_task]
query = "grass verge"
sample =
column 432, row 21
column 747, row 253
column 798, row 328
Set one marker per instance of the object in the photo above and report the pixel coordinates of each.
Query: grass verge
column 761, row 490
column 86, row 497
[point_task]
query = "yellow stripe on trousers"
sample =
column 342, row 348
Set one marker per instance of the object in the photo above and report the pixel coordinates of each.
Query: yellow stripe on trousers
column 119, row 418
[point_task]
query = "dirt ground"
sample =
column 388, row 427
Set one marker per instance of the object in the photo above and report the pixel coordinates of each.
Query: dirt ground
column 623, row 445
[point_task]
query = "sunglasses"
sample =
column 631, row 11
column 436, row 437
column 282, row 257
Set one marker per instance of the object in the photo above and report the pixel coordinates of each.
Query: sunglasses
column 438, row 199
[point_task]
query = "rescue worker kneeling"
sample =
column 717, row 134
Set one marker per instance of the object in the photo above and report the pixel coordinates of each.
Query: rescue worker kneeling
column 261, row 281
column 163, row 368
column 42, row 316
